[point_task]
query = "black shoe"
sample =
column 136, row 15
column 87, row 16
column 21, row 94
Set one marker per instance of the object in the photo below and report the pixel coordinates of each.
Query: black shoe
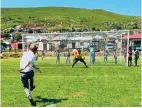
column 33, row 103
column 32, row 88
column 86, row 66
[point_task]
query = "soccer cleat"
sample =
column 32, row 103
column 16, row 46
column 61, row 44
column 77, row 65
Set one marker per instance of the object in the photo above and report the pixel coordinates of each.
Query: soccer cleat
column 32, row 88
column 33, row 103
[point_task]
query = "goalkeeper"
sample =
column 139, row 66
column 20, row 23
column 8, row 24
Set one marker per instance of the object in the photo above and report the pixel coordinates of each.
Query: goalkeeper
column 79, row 57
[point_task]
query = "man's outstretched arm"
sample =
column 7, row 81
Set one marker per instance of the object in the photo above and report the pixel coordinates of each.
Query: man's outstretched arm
column 25, row 66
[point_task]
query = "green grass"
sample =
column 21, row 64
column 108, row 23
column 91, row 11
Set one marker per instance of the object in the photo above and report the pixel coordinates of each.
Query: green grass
column 102, row 84
column 82, row 18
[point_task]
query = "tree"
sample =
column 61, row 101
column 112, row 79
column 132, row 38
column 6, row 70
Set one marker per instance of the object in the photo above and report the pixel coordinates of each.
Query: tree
column 85, row 29
column 30, row 31
column 14, row 26
column 135, row 26
column 79, row 30
column 131, row 32
column 73, row 29
column 17, row 36
column 20, row 30
column 97, row 29
column 119, row 28
column 39, row 31
column 114, row 26
column 9, row 18
column 6, row 35
column 93, row 28
column 11, row 30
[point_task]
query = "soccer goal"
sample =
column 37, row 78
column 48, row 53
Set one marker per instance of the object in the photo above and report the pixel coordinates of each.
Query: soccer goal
column 105, row 44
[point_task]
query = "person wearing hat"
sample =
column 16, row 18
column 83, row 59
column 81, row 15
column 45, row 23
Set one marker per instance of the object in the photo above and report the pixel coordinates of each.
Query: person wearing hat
column 27, row 73
column 79, row 57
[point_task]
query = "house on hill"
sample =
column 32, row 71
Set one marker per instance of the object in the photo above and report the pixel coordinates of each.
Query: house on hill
column 33, row 28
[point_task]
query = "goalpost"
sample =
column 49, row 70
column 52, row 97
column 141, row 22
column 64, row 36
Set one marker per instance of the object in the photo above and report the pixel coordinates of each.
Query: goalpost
column 71, row 40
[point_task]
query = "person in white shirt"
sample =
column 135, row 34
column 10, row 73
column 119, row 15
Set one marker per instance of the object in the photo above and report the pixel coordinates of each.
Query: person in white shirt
column 26, row 71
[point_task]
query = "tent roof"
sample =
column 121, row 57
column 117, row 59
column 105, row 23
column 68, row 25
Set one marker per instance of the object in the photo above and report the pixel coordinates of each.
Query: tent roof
column 134, row 36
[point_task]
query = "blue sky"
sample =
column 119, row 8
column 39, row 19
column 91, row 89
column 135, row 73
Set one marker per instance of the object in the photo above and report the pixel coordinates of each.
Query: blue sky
column 127, row 7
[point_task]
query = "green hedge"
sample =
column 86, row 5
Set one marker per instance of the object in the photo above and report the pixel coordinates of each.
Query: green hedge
column 15, row 55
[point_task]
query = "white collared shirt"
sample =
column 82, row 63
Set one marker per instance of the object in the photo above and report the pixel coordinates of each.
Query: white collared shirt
column 27, row 57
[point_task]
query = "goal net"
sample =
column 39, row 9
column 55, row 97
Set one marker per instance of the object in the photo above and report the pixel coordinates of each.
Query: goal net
column 109, row 47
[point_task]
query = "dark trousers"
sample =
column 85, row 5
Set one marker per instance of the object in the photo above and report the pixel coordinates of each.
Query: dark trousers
column 135, row 61
column 129, row 61
column 26, row 78
column 125, row 57
column 115, row 58
column 79, row 59
column 105, row 59
column 68, row 60
column 92, row 59
column 58, row 60
column 37, row 58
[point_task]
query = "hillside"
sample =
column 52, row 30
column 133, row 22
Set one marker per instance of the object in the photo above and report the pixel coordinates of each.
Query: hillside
column 64, row 17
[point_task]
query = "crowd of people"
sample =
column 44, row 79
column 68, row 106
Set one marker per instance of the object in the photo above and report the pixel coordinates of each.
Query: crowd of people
column 92, row 54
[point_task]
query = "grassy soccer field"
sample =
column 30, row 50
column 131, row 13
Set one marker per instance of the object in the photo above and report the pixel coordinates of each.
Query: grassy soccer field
column 102, row 84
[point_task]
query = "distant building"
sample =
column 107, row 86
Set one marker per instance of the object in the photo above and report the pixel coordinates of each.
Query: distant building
column 135, row 40
column 16, row 45
column 34, row 27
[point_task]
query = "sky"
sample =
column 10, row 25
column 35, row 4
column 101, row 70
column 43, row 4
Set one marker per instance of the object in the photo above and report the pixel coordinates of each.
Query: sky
column 125, row 7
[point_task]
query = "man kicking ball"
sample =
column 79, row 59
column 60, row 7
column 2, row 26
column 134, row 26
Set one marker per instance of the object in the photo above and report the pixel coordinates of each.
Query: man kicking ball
column 79, row 57
column 27, row 73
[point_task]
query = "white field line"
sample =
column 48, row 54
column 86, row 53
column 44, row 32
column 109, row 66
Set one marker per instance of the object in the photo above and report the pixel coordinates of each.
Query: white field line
column 66, row 76
column 47, row 76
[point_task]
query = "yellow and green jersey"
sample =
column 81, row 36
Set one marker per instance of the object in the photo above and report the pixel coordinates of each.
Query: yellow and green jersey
column 79, row 56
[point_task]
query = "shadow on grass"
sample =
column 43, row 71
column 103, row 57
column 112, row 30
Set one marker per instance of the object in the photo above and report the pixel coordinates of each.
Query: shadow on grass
column 54, row 65
column 49, row 102
column 80, row 67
